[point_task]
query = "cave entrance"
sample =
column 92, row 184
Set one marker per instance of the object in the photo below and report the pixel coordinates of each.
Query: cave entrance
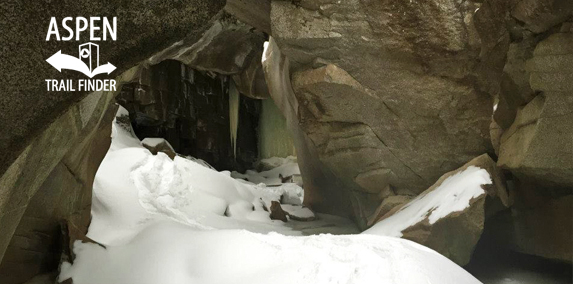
column 201, row 114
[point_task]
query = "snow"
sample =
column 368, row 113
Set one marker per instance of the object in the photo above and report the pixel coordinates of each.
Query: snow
column 133, row 188
column 292, row 194
column 287, row 193
column 275, row 162
column 178, row 221
column 297, row 211
column 201, row 162
column 173, row 253
column 122, row 133
column 452, row 195
column 281, row 167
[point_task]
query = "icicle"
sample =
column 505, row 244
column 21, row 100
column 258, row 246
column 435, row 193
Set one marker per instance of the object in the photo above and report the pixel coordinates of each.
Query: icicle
column 233, row 115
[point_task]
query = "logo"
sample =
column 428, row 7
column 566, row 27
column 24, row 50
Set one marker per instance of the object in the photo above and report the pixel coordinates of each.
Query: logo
column 88, row 60
column 87, row 52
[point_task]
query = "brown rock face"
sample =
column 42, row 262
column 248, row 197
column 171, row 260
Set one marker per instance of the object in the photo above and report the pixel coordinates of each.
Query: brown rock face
column 389, row 205
column 209, row 51
column 251, row 82
column 537, row 149
column 65, row 195
column 277, row 212
column 541, row 222
column 162, row 146
column 40, row 128
column 143, row 29
column 256, row 13
column 322, row 189
column 535, row 146
column 386, row 106
column 515, row 90
column 540, row 15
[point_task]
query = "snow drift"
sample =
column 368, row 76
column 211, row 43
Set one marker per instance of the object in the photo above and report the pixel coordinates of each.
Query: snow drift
column 178, row 221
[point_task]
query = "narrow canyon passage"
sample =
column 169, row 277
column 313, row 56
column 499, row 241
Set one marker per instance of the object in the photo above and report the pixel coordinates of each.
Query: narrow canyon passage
column 288, row 142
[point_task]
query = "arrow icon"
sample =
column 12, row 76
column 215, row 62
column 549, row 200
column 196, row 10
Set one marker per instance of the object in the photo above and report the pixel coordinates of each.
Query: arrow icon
column 106, row 68
column 63, row 61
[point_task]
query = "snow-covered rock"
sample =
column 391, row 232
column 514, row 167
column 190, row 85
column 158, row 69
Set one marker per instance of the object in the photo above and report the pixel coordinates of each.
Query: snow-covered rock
column 449, row 216
column 155, row 145
column 275, row 171
column 299, row 213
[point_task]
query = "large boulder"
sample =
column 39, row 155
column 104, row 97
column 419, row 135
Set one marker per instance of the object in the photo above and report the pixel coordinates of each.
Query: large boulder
column 389, row 204
column 64, row 195
column 384, row 106
column 541, row 222
column 540, row 15
column 209, row 51
column 323, row 190
column 536, row 148
column 515, row 91
column 449, row 216
column 256, row 13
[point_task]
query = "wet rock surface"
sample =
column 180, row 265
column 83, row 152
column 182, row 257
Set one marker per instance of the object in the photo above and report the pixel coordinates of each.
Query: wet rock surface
column 190, row 109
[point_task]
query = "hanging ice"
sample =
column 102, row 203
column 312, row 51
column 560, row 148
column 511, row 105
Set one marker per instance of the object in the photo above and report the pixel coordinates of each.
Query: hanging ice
column 233, row 115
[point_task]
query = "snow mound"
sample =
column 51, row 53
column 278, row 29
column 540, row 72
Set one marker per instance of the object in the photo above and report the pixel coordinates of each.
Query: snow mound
column 168, row 252
column 116, row 211
column 199, row 161
column 287, row 193
column 121, row 132
column 274, row 162
column 178, row 221
column 281, row 167
column 453, row 195
column 133, row 188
